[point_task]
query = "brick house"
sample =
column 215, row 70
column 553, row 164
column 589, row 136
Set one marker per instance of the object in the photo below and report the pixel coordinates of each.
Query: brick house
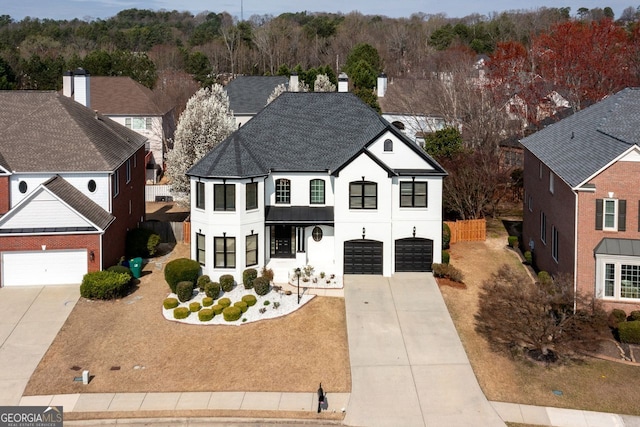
column 71, row 185
column 582, row 199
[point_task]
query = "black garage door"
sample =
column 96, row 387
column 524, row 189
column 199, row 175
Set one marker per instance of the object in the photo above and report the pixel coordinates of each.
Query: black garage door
column 414, row 254
column 362, row 257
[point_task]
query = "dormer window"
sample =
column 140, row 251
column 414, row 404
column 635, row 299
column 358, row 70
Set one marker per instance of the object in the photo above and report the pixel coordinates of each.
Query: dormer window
column 388, row 145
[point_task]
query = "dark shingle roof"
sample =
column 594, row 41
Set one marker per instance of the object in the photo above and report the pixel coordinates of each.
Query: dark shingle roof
column 580, row 145
column 78, row 201
column 48, row 132
column 296, row 132
column 249, row 94
column 122, row 96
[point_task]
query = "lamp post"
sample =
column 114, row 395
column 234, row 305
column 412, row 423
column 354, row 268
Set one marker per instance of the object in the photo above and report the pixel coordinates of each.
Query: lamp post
column 298, row 276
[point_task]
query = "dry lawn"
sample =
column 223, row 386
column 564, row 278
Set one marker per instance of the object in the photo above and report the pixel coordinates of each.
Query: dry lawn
column 129, row 347
column 591, row 385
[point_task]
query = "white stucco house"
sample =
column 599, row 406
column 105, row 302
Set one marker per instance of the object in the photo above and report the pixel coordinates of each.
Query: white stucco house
column 316, row 179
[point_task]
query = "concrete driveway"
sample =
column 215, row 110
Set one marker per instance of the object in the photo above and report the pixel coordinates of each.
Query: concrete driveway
column 408, row 365
column 30, row 318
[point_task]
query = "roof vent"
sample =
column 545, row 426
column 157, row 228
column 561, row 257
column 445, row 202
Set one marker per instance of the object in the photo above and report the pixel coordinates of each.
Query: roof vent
column 572, row 135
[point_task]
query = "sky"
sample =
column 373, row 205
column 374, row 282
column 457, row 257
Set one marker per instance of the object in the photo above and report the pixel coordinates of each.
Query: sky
column 103, row 9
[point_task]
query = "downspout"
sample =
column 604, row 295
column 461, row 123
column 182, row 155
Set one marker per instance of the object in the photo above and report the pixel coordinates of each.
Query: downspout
column 575, row 251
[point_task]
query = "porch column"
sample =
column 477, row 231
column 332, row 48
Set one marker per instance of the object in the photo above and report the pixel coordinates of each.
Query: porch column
column 300, row 237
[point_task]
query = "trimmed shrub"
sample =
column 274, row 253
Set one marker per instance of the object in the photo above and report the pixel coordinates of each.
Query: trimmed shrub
column 181, row 313
column 194, row 306
column 528, row 258
column 227, row 282
column 184, row 291
column 446, row 236
column 266, row 302
column 634, row 315
column 205, row 314
column 231, row 314
column 207, row 302
column 248, row 276
column 250, row 300
column 202, row 282
column 439, row 270
column 121, row 269
column 513, row 241
column 170, row 303
column 267, row 273
column 447, row 271
column 262, row 286
column 181, row 270
column 629, row 332
column 217, row 309
column 141, row 243
column 445, row 257
column 241, row 305
column 544, row 278
column 212, row 290
column 225, row 302
column 616, row 316
column 104, row 285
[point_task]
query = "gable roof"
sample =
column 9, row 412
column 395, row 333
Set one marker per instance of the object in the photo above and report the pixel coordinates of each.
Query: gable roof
column 249, row 94
column 122, row 96
column 298, row 132
column 577, row 147
column 44, row 131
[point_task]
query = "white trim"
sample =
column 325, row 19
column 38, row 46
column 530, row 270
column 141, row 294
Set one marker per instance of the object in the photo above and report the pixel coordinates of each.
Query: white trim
column 617, row 261
column 615, row 214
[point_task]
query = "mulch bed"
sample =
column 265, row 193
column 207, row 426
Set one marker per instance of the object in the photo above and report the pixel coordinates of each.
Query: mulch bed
column 443, row 281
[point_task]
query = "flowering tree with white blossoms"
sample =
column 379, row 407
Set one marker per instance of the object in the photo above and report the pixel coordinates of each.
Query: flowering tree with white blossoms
column 281, row 88
column 205, row 122
column 323, row 84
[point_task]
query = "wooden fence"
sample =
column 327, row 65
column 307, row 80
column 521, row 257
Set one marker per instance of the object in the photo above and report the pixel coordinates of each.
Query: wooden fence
column 469, row 230
column 170, row 232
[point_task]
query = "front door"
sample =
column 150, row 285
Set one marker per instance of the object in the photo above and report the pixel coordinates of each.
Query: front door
column 282, row 238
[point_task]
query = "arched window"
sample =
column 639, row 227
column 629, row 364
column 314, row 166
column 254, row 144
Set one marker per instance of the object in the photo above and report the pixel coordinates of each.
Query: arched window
column 316, row 192
column 388, row 145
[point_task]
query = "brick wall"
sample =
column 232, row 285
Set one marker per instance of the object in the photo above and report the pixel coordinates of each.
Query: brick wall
column 5, row 197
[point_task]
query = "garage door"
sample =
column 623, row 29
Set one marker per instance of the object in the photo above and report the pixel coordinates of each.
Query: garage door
column 414, row 254
column 362, row 257
column 43, row 267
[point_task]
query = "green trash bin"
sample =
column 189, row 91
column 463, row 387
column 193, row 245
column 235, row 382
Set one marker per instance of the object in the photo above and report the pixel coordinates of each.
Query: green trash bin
column 135, row 265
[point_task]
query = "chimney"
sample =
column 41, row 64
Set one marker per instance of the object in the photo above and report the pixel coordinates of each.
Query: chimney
column 81, row 92
column 343, row 82
column 293, row 83
column 382, row 85
column 67, row 83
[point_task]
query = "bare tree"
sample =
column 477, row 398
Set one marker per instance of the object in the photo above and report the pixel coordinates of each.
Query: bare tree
column 537, row 320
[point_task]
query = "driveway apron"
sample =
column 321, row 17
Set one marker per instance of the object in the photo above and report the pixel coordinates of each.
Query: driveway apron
column 408, row 365
column 31, row 318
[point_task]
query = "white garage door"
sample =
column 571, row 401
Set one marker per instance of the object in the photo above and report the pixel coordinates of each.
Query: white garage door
column 43, row 267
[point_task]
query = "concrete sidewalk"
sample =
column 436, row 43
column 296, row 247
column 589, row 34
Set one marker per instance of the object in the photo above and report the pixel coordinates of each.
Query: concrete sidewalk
column 408, row 366
column 30, row 320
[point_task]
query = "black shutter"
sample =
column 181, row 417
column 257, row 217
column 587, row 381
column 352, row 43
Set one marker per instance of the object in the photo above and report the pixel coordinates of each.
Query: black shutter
column 622, row 215
column 598, row 214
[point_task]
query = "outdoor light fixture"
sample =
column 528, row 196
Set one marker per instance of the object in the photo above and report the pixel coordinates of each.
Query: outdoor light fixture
column 363, row 232
column 298, row 276
column 414, row 231
column 92, row 256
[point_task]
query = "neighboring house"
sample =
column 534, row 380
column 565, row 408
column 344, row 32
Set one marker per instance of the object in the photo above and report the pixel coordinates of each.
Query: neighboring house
column 249, row 94
column 582, row 199
column 71, row 185
column 318, row 179
column 129, row 103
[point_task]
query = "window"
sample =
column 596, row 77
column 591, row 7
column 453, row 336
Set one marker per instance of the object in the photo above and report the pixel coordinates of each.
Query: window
column 200, row 248
column 543, row 228
column 128, row 171
column 22, row 187
column 224, row 197
column 540, row 170
column 388, row 145
column 138, row 123
column 251, row 193
column 283, row 191
column 200, row 195
column 620, row 279
column 530, row 203
column 91, row 185
column 252, row 249
column 225, row 252
column 316, row 192
column 629, row 281
column 413, row 194
column 609, row 280
column 551, row 182
column 363, row 195
column 611, row 214
column 316, row 234
column 115, row 179
column 554, row 243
